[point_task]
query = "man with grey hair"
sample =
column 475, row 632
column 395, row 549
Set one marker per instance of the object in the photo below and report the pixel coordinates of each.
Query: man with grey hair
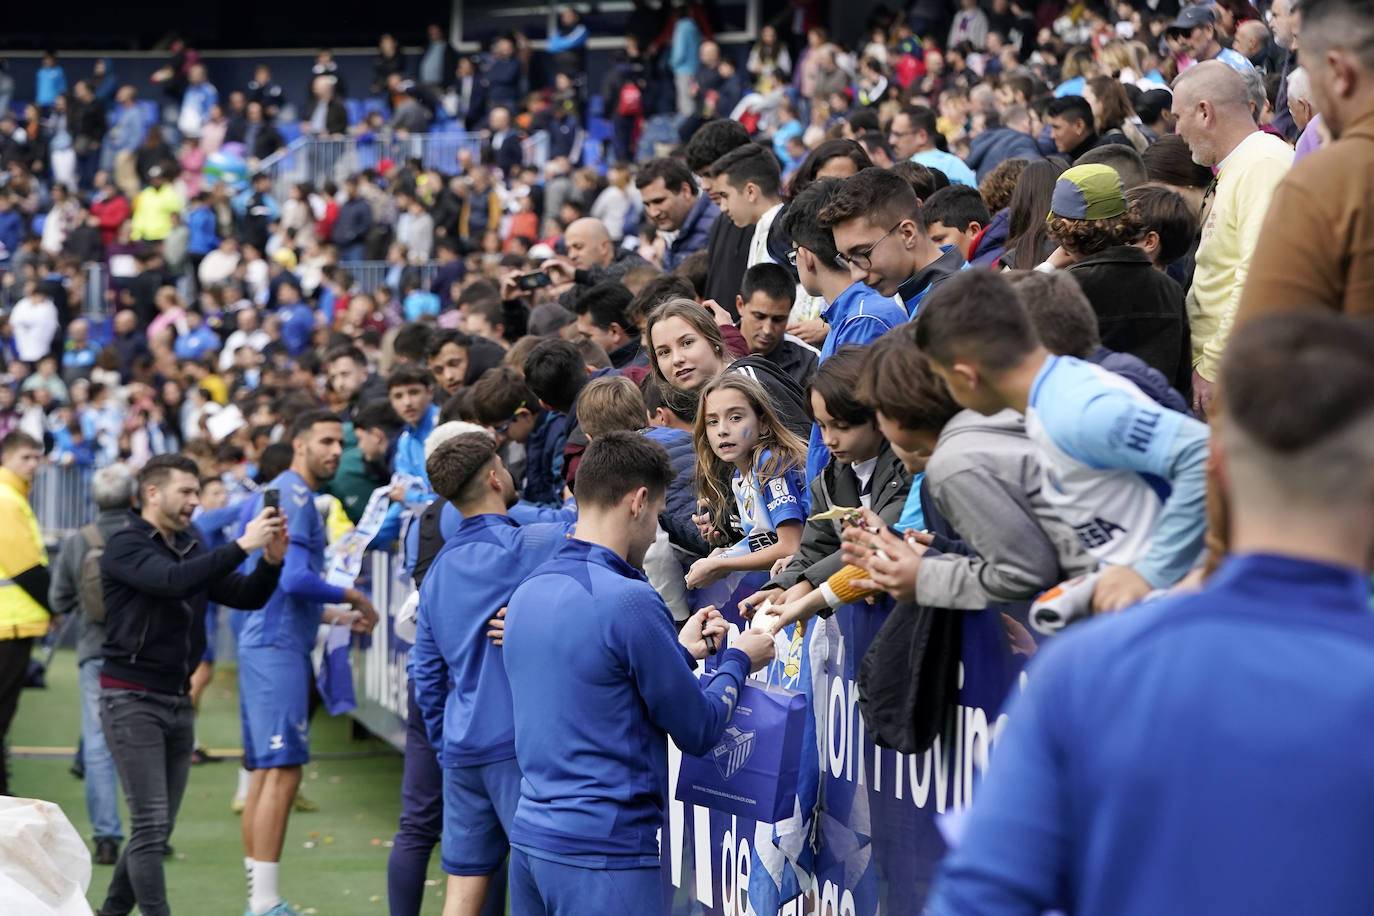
column 1300, row 98
column 1315, row 250
column 70, row 592
column 1213, row 107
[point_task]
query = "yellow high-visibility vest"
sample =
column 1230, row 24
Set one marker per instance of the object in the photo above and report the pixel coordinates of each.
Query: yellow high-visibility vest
column 21, row 548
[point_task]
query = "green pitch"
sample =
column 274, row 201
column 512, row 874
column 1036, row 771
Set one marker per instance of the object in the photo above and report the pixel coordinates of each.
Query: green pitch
column 356, row 785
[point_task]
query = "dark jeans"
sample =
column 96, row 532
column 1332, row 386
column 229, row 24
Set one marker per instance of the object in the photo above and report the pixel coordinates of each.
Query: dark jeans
column 151, row 736
column 14, row 668
column 422, row 825
column 422, row 817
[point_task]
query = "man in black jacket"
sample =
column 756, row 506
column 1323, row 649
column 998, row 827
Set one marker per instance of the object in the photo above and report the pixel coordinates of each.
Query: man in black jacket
column 353, row 224
column 728, row 244
column 157, row 577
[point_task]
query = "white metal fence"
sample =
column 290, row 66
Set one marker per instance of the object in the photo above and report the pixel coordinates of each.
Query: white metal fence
column 61, row 500
column 368, row 276
column 316, row 160
column 93, row 300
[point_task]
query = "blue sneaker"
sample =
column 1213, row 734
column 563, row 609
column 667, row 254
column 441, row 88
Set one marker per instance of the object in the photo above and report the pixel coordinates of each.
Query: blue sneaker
column 283, row 909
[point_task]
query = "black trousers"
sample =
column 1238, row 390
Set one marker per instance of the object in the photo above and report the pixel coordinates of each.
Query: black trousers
column 14, row 670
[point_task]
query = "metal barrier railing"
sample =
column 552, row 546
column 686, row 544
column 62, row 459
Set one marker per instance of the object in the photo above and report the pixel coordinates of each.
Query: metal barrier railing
column 61, row 500
column 93, row 301
column 316, row 160
column 368, row 276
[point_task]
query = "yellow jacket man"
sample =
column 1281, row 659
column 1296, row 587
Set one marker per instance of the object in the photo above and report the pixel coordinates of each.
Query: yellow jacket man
column 23, row 577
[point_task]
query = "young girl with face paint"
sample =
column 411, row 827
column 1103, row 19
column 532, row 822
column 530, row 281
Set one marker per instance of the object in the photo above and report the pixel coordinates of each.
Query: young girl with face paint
column 739, row 438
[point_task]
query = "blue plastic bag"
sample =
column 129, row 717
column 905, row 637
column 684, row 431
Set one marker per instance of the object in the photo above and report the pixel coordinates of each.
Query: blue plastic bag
column 335, row 677
column 752, row 772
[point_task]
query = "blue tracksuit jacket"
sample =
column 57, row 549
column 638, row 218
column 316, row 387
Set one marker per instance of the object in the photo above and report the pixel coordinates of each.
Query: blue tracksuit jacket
column 599, row 680
column 1208, row 753
column 472, row 577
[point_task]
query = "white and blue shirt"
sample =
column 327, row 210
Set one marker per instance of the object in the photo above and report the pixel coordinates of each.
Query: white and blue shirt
column 1124, row 472
column 763, row 507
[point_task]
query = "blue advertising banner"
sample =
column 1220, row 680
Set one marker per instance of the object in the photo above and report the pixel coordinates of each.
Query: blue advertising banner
column 874, row 842
column 864, row 839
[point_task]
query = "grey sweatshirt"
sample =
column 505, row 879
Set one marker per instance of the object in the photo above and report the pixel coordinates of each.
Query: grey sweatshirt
column 985, row 479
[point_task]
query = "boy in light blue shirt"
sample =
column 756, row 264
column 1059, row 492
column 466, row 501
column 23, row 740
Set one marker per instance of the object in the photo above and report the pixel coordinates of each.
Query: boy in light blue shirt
column 1127, row 474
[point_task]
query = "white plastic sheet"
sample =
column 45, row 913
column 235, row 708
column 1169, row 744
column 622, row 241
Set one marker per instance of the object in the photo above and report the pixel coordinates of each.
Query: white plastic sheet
column 45, row 867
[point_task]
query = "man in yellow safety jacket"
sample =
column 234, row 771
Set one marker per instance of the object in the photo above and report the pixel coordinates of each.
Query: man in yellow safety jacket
column 23, row 577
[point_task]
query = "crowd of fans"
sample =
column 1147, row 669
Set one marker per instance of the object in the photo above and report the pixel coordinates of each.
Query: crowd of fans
column 973, row 277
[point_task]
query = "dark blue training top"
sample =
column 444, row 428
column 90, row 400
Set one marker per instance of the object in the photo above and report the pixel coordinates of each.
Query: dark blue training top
column 599, row 681
column 472, row 577
column 1208, row 753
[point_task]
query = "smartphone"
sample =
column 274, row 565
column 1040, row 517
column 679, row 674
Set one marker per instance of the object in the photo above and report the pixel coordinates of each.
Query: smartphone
column 530, row 282
column 271, row 499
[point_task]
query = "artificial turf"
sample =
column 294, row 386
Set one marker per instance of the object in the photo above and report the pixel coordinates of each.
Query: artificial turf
column 356, row 784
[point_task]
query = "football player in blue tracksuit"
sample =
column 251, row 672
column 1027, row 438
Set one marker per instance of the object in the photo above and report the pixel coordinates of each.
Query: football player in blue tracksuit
column 274, row 657
column 470, row 722
column 599, row 681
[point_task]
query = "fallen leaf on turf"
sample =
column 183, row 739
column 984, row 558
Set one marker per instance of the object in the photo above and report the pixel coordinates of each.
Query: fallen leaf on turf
column 374, row 899
column 309, row 844
column 329, row 841
column 389, row 843
column 376, row 841
column 314, row 834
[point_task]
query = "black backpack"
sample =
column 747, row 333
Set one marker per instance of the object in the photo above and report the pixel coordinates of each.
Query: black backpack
column 431, row 538
column 908, row 678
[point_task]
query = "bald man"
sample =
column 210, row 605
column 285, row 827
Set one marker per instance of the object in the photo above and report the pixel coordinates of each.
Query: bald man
column 1212, row 105
column 591, row 259
column 1252, row 40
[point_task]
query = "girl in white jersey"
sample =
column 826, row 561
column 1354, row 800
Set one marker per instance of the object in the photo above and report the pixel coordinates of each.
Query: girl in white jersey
column 738, row 430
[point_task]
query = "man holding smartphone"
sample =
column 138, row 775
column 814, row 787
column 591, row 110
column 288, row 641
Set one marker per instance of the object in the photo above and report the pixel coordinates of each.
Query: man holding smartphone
column 157, row 578
column 274, row 656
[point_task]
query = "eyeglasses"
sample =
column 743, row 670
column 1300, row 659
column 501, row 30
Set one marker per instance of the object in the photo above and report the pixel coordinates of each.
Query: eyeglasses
column 502, row 427
column 861, row 259
column 792, row 255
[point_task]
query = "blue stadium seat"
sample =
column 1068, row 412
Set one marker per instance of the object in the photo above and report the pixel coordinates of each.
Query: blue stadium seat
column 596, row 107
column 355, row 110
column 378, row 105
column 592, row 157
column 290, row 131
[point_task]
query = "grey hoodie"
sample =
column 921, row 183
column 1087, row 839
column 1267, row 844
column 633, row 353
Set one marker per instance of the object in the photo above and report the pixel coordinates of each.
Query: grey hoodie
column 985, row 479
